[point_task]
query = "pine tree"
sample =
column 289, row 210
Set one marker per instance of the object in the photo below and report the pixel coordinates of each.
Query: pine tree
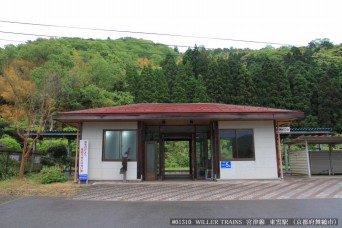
column 201, row 94
column 214, row 83
column 170, row 71
column 184, row 87
column 273, row 88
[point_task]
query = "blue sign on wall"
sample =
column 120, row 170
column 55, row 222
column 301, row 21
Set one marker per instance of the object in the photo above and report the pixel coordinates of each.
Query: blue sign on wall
column 226, row 164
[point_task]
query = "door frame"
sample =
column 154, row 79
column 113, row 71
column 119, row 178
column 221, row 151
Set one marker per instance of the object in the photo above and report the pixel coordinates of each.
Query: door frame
column 178, row 137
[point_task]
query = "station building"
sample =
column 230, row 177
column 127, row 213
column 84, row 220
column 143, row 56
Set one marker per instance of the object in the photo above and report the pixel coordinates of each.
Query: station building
column 224, row 141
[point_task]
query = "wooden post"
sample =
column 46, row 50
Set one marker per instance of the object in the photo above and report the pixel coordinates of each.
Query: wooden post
column 76, row 154
column 279, row 153
column 286, row 158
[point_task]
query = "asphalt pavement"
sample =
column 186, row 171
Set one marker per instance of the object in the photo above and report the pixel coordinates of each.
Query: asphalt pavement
column 57, row 212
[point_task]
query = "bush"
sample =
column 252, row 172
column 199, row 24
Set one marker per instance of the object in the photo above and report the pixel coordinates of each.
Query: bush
column 59, row 152
column 47, row 161
column 12, row 167
column 8, row 166
column 52, row 174
column 56, row 155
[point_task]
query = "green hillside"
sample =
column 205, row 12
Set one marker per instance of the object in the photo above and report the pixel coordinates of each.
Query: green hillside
column 96, row 73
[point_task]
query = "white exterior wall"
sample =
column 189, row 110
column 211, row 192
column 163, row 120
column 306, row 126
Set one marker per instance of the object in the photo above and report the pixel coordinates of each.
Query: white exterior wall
column 106, row 170
column 265, row 164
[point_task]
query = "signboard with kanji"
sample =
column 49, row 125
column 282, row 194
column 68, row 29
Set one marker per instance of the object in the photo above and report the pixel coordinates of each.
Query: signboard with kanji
column 83, row 160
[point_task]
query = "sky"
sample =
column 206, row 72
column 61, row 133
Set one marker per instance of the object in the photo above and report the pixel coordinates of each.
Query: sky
column 264, row 22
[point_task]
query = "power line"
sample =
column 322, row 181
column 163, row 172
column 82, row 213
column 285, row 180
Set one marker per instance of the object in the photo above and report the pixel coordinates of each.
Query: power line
column 19, row 41
column 29, row 34
column 145, row 33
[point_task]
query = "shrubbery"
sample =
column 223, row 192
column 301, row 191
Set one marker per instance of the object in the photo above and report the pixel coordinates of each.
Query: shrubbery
column 8, row 167
column 52, row 174
column 56, row 155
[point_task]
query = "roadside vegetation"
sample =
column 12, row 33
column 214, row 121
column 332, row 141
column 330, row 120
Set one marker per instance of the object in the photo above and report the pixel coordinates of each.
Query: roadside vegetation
column 31, row 185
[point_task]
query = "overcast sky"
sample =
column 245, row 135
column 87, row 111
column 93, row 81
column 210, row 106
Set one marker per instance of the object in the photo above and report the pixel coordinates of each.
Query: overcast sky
column 293, row 22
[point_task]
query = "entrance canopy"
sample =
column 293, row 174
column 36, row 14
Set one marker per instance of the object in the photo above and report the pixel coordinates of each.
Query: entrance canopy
column 178, row 111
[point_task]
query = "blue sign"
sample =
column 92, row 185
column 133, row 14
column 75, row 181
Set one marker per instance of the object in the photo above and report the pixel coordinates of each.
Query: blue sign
column 226, row 164
column 83, row 177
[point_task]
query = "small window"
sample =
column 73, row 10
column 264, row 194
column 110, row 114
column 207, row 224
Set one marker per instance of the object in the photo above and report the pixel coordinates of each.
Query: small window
column 118, row 142
column 237, row 144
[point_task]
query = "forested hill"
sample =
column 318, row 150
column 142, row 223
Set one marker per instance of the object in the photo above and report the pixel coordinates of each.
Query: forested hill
column 96, row 73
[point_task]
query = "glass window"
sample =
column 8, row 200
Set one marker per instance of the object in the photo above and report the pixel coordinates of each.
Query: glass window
column 245, row 143
column 112, row 145
column 129, row 140
column 237, row 144
column 118, row 142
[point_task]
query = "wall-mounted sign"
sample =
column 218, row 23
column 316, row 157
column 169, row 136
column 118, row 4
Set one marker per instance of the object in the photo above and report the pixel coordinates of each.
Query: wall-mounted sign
column 14, row 157
column 83, row 161
column 284, row 129
column 226, row 164
column 36, row 160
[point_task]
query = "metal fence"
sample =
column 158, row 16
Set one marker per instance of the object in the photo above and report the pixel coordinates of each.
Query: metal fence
column 10, row 162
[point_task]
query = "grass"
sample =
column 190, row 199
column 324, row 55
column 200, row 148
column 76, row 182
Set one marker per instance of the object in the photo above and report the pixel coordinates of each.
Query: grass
column 31, row 185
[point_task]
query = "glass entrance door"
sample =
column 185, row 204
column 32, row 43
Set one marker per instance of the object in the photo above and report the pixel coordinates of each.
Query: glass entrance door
column 151, row 161
column 203, row 156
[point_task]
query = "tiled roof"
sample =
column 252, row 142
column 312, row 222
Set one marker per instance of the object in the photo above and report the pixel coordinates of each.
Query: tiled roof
column 309, row 129
column 176, row 108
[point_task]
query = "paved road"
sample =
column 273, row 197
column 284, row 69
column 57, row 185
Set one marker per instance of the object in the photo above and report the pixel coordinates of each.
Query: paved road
column 56, row 212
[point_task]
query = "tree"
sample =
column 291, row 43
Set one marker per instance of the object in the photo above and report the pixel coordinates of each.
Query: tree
column 170, row 71
column 273, row 88
column 214, row 82
column 184, row 85
column 198, row 59
column 330, row 99
column 201, row 95
column 29, row 102
column 152, row 86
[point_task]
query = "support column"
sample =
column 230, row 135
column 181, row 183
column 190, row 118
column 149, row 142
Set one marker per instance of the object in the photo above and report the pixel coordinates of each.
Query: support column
column 279, row 153
column 68, row 156
column 307, row 157
column 286, row 158
column 215, row 151
column 76, row 154
column 331, row 169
